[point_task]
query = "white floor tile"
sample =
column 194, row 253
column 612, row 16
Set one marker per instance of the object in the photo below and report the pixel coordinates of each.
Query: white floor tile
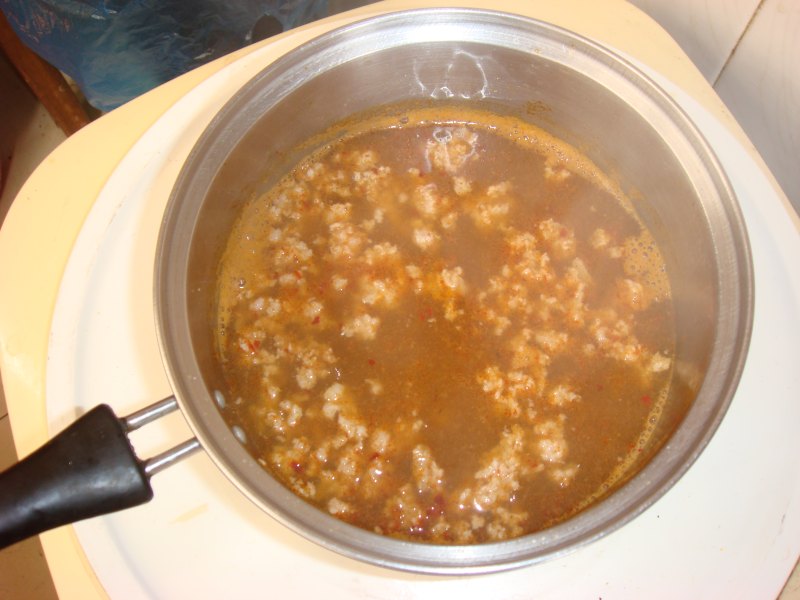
column 707, row 30
column 760, row 85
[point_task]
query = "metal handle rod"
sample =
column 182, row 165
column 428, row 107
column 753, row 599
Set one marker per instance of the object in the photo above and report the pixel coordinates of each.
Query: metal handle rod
column 167, row 458
column 150, row 413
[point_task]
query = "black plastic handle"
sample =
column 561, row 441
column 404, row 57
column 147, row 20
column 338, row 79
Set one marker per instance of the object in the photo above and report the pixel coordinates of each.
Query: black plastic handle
column 88, row 469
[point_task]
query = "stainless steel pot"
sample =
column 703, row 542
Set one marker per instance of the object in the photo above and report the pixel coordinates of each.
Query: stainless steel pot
column 565, row 84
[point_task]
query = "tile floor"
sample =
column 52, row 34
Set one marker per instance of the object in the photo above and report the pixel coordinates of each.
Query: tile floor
column 27, row 135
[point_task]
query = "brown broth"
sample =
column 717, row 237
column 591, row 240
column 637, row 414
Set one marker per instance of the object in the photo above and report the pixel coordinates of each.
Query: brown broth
column 446, row 331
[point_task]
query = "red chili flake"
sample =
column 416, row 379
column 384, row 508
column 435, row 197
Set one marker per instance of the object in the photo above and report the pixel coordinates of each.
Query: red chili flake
column 646, row 400
column 375, row 456
column 437, row 508
column 298, row 274
column 426, row 313
column 600, row 387
column 316, row 320
column 296, row 467
column 371, row 362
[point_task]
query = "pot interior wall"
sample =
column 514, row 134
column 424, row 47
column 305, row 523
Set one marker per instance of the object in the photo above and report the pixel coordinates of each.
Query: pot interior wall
column 552, row 96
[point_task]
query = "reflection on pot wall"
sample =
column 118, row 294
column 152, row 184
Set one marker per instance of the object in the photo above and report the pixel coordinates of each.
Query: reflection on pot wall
column 464, row 77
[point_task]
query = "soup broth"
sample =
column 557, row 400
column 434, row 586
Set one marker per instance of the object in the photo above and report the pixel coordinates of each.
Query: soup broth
column 447, row 327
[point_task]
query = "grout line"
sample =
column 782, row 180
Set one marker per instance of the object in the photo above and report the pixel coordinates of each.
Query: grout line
column 738, row 41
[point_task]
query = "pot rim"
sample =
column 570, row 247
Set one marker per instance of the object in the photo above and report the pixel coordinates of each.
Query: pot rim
column 637, row 494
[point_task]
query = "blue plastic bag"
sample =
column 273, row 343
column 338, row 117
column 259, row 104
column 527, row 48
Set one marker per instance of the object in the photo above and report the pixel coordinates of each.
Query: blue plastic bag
column 116, row 50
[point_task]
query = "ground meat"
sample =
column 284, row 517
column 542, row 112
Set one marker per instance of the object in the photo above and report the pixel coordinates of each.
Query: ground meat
column 413, row 337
